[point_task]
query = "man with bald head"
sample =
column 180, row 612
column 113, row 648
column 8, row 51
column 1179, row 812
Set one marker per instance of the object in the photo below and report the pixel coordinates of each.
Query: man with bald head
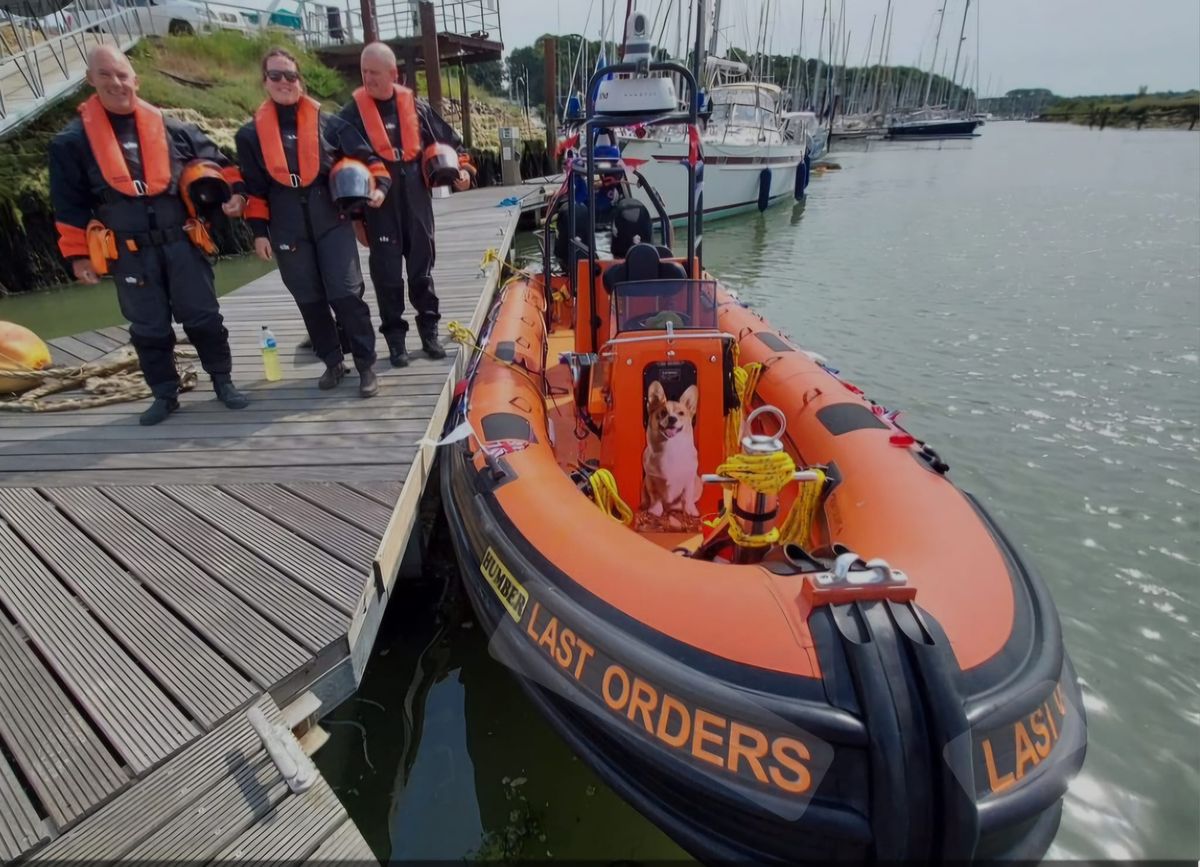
column 119, row 163
column 400, row 234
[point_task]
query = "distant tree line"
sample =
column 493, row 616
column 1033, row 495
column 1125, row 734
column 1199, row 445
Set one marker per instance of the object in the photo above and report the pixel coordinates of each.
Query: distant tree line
column 1168, row 108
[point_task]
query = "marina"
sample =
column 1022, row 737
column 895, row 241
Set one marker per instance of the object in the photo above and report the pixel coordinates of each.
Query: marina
column 808, row 469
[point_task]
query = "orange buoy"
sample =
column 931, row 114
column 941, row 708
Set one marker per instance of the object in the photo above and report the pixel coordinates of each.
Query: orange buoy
column 20, row 349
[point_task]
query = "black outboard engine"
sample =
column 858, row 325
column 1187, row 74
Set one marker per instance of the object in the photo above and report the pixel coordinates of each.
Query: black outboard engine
column 631, row 224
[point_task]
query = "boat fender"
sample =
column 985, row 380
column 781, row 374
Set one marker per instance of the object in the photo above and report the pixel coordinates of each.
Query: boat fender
column 801, row 179
column 764, row 189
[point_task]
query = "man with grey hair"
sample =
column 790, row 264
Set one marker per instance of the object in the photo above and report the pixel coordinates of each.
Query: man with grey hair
column 400, row 233
column 116, row 169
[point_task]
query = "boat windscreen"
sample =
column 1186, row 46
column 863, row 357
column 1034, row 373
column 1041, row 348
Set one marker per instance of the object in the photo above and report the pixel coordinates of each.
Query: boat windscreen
column 649, row 305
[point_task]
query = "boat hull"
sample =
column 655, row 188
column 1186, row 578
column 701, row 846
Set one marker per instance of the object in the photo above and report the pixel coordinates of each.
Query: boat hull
column 868, row 801
column 934, row 129
column 747, row 720
column 732, row 175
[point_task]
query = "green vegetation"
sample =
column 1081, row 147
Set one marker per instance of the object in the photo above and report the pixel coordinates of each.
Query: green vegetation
column 218, row 75
column 1139, row 109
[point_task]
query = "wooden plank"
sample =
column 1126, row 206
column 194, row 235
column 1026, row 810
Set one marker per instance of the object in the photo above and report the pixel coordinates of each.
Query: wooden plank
column 198, row 433
column 297, row 827
column 68, row 767
column 101, row 342
column 253, row 644
column 75, row 347
column 20, row 826
column 179, row 785
column 381, row 491
column 326, row 576
column 350, row 506
column 266, row 475
column 185, row 459
column 323, row 527
column 183, row 664
column 295, row 610
column 134, row 715
column 118, row 333
column 345, row 845
column 413, row 402
column 376, row 442
column 248, row 793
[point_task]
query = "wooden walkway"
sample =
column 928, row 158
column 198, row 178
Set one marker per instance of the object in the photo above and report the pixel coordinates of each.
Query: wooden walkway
column 157, row 582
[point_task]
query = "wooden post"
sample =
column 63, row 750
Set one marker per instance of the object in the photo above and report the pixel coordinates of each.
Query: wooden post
column 370, row 31
column 549, row 47
column 409, row 53
column 433, row 60
column 464, row 95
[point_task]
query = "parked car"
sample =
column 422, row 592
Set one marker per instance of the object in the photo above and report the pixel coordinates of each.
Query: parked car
column 182, row 17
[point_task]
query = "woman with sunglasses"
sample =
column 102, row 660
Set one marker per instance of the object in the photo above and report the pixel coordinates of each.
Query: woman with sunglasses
column 285, row 154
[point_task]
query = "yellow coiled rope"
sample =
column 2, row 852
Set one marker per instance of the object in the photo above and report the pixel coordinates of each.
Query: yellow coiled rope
column 604, row 492
column 745, row 381
column 797, row 526
column 491, row 254
column 769, row 474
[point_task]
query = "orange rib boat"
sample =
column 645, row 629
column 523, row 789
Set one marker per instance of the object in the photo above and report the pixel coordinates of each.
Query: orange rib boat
column 754, row 603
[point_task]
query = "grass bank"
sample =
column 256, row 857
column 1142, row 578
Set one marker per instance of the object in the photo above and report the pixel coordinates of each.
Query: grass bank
column 1158, row 110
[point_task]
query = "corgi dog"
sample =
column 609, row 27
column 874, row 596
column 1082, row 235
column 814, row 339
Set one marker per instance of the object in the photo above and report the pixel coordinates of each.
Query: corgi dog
column 670, row 461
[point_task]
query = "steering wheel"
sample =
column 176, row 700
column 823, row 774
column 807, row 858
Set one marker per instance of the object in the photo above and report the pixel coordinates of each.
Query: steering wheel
column 657, row 320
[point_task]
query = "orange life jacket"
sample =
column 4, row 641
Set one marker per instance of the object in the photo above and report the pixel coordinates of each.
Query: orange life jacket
column 308, row 142
column 406, row 112
column 152, row 141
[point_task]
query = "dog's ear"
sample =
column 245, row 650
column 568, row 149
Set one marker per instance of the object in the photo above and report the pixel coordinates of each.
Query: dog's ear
column 690, row 397
column 655, row 395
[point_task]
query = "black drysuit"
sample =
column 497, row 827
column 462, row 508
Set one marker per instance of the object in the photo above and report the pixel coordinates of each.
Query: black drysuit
column 400, row 233
column 313, row 243
column 166, row 275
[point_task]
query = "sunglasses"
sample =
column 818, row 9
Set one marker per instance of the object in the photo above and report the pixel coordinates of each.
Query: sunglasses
column 287, row 75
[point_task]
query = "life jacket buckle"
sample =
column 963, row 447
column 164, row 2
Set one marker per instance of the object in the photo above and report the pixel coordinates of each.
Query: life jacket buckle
column 139, row 187
column 295, row 179
column 396, row 155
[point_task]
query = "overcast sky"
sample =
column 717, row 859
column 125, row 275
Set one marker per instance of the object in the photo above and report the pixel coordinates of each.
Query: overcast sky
column 1070, row 46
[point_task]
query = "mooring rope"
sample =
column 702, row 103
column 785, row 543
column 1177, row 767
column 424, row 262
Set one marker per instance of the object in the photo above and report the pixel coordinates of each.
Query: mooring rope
column 116, row 379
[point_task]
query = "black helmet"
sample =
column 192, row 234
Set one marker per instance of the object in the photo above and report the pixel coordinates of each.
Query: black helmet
column 203, row 187
column 439, row 165
column 351, row 184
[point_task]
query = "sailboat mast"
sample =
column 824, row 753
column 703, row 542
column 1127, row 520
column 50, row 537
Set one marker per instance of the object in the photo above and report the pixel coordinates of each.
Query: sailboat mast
column 933, row 61
column 820, row 48
column 961, row 36
column 716, row 27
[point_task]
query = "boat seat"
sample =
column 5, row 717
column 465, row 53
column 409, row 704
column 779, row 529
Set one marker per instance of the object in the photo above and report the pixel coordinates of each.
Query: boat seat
column 631, row 224
column 642, row 262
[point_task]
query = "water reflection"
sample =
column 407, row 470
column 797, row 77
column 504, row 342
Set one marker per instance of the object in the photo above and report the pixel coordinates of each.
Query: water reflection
column 440, row 757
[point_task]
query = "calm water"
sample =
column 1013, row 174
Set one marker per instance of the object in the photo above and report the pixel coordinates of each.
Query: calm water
column 1031, row 300
column 73, row 308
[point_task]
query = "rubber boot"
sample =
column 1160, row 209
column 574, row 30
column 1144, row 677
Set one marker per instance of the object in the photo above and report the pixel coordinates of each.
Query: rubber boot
column 398, row 354
column 368, row 383
column 331, row 377
column 431, row 345
column 228, row 393
column 159, row 410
